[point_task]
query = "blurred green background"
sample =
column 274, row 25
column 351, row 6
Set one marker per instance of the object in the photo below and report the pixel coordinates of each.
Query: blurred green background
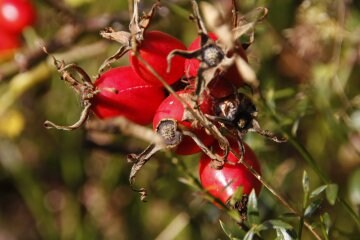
column 74, row 185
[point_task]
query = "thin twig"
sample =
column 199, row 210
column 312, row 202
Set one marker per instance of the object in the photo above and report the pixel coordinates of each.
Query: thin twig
column 125, row 127
column 64, row 38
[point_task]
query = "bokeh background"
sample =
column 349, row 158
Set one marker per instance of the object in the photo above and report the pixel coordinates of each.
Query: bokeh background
column 74, row 185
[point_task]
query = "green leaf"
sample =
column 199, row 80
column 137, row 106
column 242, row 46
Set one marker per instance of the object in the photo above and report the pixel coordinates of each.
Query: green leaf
column 306, row 188
column 251, row 233
column 233, row 213
column 284, row 231
column 331, row 193
column 313, row 206
column 232, row 231
column 284, row 234
column 277, row 224
column 326, row 221
column 252, row 209
column 318, row 191
column 354, row 187
column 225, row 229
column 305, row 183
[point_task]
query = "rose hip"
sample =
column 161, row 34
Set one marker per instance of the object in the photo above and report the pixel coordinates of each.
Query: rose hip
column 222, row 183
column 123, row 93
column 172, row 108
column 154, row 49
column 15, row 15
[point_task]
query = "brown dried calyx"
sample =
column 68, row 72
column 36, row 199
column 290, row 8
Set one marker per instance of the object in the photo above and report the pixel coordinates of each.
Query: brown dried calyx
column 172, row 135
column 237, row 114
column 217, row 57
column 84, row 88
column 133, row 38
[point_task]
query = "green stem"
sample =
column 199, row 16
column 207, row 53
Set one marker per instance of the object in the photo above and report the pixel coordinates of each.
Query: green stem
column 305, row 203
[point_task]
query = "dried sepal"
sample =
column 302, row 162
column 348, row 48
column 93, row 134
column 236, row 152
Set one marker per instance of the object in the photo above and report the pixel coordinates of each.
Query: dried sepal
column 137, row 27
column 245, row 24
column 237, row 114
column 215, row 57
column 139, row 160
column 145, row 19
column 171, row 137
column 83, row 117
column 129, row 39
column 216, row 22
column 197, row 18
column 242, row 25
column 139, row 24
column 83, row 87
column 182, row 53
column 119, row 54
column 121, row 37
column 266, row 133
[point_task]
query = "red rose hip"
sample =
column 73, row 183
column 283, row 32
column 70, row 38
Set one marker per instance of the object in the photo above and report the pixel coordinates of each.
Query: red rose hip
column 123, row 93
column 154, row 49
column 222, row 183
column 15, row 15
column 172, row 108
column 8, row 43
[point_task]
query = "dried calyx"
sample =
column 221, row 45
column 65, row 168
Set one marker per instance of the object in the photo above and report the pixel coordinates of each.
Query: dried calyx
column 237, row 114
column 216, row 57
column 84, row 88
column 172, row 134
column 132, row 39
column 168, row 130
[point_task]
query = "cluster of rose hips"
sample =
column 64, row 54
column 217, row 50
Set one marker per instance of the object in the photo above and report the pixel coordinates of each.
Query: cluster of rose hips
column 219, row 103
column 15, row 16
column 193, row 111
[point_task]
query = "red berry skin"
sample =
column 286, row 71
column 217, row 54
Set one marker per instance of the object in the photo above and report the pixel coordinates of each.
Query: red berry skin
column 222, row 183
column 135, row 99
column 220, row 88
column 171, row 108
column 15, row 15
column 8, row 43
column 154, row 50
column 231, row 75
